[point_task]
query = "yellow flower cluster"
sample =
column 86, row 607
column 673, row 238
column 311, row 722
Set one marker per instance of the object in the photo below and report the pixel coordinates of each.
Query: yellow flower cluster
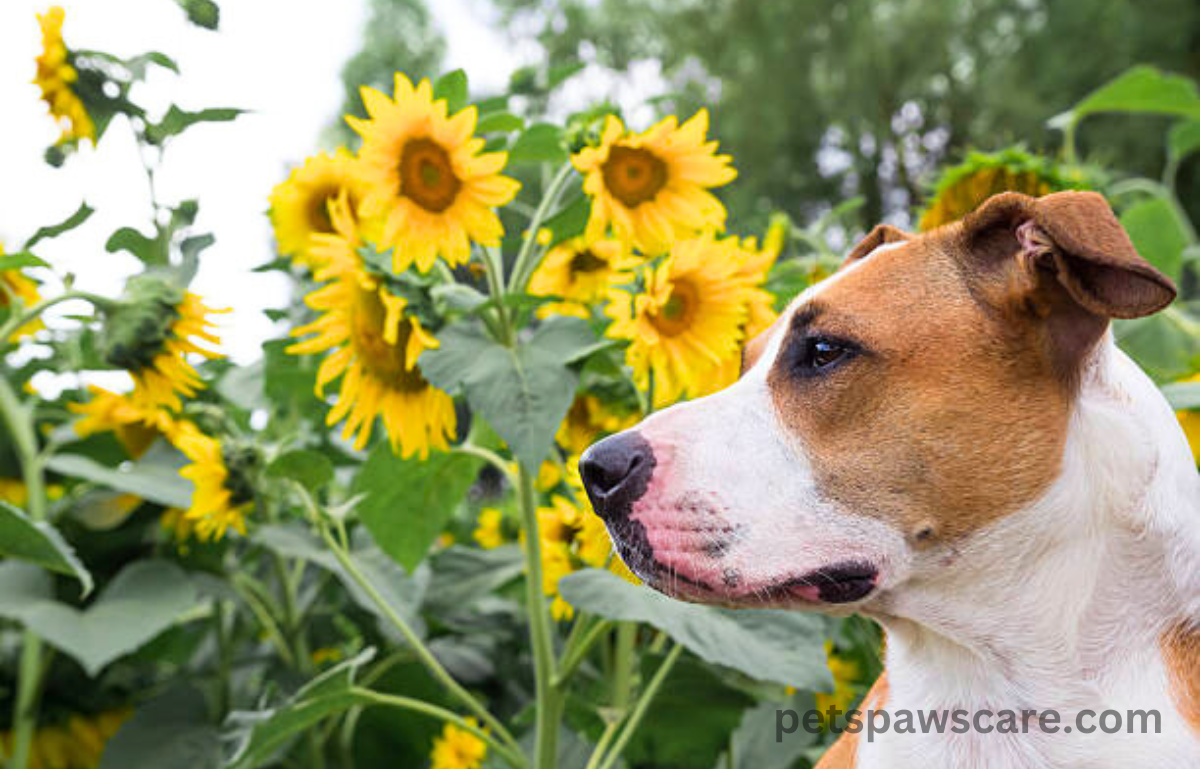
column 55, row 77
column 457, row 748
column 76, row 743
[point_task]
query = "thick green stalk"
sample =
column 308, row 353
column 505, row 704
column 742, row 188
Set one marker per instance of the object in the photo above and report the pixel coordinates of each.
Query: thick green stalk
column 622, row 684
column 549, row 704
column 29, row 674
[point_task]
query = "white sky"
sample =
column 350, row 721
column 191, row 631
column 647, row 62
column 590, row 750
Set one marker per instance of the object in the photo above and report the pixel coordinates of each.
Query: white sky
column 279, row 59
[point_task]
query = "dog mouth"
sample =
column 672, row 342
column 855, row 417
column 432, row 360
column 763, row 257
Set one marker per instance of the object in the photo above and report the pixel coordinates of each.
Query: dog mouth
column 839, row 583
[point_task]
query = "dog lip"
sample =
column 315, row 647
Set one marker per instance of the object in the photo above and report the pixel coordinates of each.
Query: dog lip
column 839, row 583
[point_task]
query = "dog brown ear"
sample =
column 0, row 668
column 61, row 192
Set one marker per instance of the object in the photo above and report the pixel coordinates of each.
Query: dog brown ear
column 1067, row 260
column 881, row 234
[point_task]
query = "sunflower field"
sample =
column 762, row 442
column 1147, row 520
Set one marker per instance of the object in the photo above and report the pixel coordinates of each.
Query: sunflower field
column 371, row 546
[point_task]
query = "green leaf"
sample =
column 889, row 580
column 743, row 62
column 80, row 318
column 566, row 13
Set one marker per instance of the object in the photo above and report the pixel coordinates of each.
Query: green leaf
column 261, row 733
column 143, row 600
column 177, row 120
column 562, row 72
column 523, row 393
column 149, row 250
column 690, row 719
column 452, row 87
column 1183, row 139
column 1141, row 89
column 464, row 574
column 771, row 645
column 138, row 65
column 457, row 297
column 755, row 740
column 289, row 380
column 310, row 468
column 181, row 713
column 158, row 483
column 539, row 143
column 1182, row 395
column 20, row 260
column 570, row 220
column 567, row 338
column 71, row 222
column 39, row 543
column 1164, row 344
column 190, row 249
column 407, row 502
column 243, row 386
column 1157, row 234
column 499, row 122
column 202, row 13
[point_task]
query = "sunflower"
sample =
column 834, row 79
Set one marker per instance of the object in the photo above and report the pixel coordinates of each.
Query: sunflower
column 15, row 286
column 74, row 742
column 962, row 188
column 150, row 334
column 134, row 426
column 652, row 187
column 580, row 272
column 423, row 174
column 489, row 533
column 223, row 494
column 375, row 347
column 589, row 419
column 846, row 675
column 689, row 320
column 1190, row 422
column 573, row 537
column 456, row 748
column 55, row 76
column 300, row 204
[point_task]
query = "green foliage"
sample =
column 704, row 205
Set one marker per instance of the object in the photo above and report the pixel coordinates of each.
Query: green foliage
column 39, row 542
column 182, row 713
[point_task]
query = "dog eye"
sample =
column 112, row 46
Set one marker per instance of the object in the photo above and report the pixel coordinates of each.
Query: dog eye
column 821, row 354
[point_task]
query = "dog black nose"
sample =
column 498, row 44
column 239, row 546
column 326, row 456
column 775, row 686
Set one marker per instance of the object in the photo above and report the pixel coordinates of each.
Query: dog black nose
column 616, row 472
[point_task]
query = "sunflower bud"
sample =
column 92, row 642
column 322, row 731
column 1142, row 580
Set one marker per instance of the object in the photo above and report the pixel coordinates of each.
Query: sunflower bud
column 243, row 462
column 135, row 331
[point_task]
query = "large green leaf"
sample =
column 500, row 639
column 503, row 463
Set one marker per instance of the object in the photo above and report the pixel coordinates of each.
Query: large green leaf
column 20, row 260
column 312, row 469
column 181, row 713
column 757, row 742
column 569, row 221
column 463, row 574
column 767, row 644
column 1157, row 234
column 1184, row 139
column 539, row 143
column 523, row 393
column 159, row 483
column 1164, row 344
column 407, row 502
column 39, row 543
column 149, row 250
column 259, row 734
column 1183, row 395
column 1141, row 89
column 143, row 600
column 452, row 87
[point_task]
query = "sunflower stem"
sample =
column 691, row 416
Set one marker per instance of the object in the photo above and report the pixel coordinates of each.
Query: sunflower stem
column 424, row 656
column 639, row 709
column 549, row 700
column 29, row 676
column 20, row 319
column 524, row 264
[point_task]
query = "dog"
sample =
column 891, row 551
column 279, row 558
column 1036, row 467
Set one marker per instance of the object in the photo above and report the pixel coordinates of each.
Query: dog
column 944, row 437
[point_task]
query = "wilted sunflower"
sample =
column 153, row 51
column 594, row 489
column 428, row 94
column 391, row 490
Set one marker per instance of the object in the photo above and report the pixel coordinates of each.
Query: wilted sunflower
column 135, row 427
column 423, row 174
column 223, row 493
column 151, row 333
column 688, row 321
column 580, row 271
column 75, row 742
column 652, row 187
column 456, row 748
column 375, row 346
column 962, row 188
column 15, row 286
column 300, row 204
column 55, row 76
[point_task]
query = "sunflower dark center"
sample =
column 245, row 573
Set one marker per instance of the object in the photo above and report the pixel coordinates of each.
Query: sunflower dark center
column 677, row 313
column 586, row 261
column 426, row 175
column 634, row 175
column 383, row 361
column 318, row 212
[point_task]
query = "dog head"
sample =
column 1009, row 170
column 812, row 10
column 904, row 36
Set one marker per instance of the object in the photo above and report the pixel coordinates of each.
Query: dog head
column 919, row 395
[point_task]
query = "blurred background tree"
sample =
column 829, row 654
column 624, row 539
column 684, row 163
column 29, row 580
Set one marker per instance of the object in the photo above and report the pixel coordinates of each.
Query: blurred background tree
column 819, row 101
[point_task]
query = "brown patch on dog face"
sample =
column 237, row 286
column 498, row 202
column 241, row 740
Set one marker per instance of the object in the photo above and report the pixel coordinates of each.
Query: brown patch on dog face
column 946, row 416
column 1181, row 654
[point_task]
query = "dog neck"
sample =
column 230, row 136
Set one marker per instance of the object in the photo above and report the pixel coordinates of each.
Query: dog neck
column 1064, row 605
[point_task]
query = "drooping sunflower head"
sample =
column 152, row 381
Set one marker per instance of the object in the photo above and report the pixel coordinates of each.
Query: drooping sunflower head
column 151, row 333
column 580, row 271
column 963, row 187
column 223, row 475
column 135, row 426
column 652, row 188
column 689, row 319
column 300, row 205
column 17, row 289
column 423, row 173
column 373, row 346
column 55, row 76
